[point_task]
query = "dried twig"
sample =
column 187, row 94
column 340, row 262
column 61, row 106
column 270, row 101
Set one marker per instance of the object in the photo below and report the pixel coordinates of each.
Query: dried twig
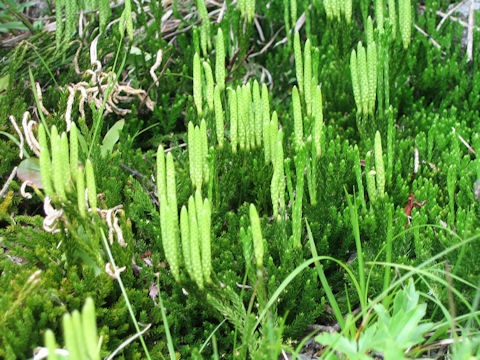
column 450, row 12
column 126, row 342
column 436, row 44
column 464, row 142
column 267, row 45
column 471, row 25
column 9, row 180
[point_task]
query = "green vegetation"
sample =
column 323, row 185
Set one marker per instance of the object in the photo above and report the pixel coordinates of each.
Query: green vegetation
column 197, row 179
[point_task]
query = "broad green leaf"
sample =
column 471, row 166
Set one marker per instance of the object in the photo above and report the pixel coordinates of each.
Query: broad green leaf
column 111, row 138
column 29, row 169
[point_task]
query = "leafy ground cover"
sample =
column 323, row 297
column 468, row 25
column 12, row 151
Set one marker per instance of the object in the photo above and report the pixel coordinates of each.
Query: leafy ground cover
column 240, row 179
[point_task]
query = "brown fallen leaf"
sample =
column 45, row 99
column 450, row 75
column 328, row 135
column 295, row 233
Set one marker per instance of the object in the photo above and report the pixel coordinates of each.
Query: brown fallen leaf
column 411, row 203
column 153, row 290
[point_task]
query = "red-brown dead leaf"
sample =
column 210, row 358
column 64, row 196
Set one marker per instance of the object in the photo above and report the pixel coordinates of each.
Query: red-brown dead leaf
column 411, row 203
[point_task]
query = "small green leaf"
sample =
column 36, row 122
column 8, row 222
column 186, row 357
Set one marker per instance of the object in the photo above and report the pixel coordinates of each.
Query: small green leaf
column 29, row 170
column 111, row 138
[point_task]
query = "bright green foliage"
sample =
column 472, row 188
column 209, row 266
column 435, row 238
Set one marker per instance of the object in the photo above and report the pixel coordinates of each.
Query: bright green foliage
column 57, row 166
column 277, row 187
column 355, row 80
column 80, row 182
column 250, row 9
column 209, row 85
column 257, row 236
column 73, row 151
column 203, row 212
column 379, row 167
column 127, row 17
column 370, row 178
column 248, row 116
column 195, row 255
column 363, row 77
column 65, row 162
column 317, row 110
column 266, row 124
column 45, row 163
column 233, row 112
column 363, row 68
column 423, row 157
column 395, row 331
column 336, row 8
column 59, row 5
column 379, row 10
column 308, row 76
column 405, row 21
column 348, row 10
column 185, row 235
column 242, row 120
column 372, row 75
column 297, row 118
column 220, row 60
column 91, row 187
column 369, row 31
column 205, row 40
column 104, row 12
column 293, row 11
column 300, row 163
column 358, row 176
column 70, row 17
column 219, row 118
column 197, row 83
column 198, row 152
column 257, row 105
column 392, row 16
column 79, row 333
column 168, row 210
column 298, row 61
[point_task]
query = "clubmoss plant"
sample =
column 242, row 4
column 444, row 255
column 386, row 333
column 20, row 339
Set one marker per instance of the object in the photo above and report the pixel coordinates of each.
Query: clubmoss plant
column 168, row 210
column 209, row 85
column 297, row 49
column 198, row 151
column 300, row 163
column 219, row 117
column 220, row 60
column 277, row 187
column 195, row 233
column 197, row 84
column 79, row 333
column 297, row 118
column 233, row 112
column 205, row 40
column 379, row 166
column 91, row 187
column 405, row 21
